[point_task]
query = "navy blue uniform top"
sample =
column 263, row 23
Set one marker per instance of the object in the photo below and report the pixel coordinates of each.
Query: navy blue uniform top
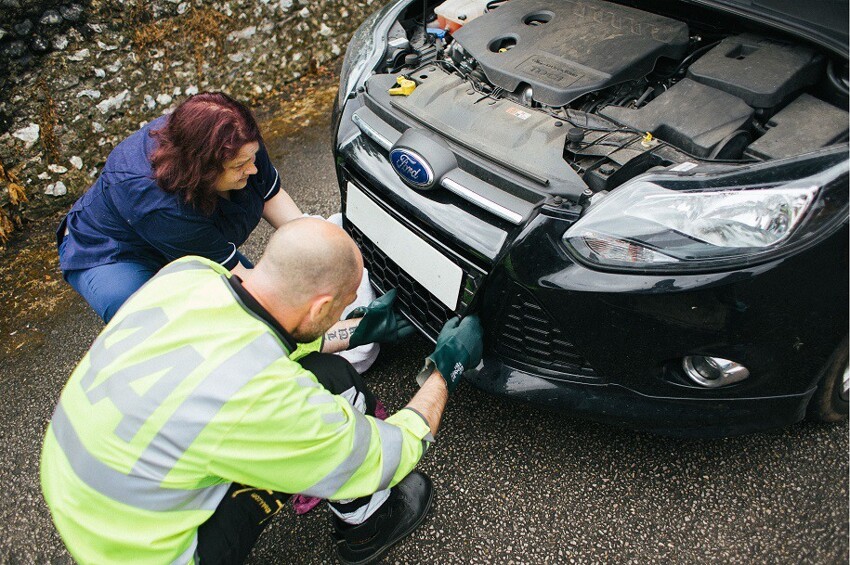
column 126, row 216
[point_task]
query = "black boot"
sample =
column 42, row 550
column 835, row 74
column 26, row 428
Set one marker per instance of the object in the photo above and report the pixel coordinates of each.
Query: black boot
column 402, row 512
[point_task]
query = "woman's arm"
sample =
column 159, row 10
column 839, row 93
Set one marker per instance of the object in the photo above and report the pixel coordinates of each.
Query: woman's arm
column 280, row 209
column 175, row 233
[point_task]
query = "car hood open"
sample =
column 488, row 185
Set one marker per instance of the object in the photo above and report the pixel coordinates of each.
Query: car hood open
column 823, row 22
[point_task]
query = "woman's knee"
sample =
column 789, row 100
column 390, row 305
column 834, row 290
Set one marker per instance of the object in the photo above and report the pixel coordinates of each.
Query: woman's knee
column 107, row 287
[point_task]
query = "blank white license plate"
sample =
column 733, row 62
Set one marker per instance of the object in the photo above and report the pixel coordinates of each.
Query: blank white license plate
column 416, row 257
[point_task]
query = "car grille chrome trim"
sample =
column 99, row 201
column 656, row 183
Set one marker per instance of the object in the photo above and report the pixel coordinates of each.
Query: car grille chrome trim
column 361, row 119
column 475, row 198
column 371, row 132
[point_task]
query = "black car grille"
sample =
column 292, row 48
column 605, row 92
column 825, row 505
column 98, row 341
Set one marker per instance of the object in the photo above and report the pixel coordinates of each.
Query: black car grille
column 528, row 334
column 423, row 307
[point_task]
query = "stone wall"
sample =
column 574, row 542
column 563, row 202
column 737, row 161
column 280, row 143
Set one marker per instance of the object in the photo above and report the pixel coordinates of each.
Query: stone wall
column 78, row 77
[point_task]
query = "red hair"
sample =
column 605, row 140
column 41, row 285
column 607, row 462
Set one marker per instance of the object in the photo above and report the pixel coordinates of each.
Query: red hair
column 203, row 132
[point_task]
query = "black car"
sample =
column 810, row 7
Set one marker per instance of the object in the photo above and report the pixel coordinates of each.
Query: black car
column 645, row 201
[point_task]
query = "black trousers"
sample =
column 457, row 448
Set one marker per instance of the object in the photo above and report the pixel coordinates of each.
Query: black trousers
column 231, row 532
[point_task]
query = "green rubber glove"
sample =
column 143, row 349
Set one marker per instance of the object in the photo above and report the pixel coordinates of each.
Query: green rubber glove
column 459, row 348
column 380, row 323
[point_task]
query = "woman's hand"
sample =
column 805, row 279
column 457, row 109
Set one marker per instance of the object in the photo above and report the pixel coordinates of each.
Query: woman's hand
column 280, row 209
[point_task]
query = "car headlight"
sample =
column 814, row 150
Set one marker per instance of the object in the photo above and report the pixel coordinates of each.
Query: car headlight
column 667, row 222
column 366, row 48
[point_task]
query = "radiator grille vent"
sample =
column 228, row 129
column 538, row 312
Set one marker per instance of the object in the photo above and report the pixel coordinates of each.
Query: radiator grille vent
column 528, row 334
column 422, row 306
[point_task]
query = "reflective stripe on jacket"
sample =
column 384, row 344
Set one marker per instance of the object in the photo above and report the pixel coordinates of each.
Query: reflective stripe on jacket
column 185, row 391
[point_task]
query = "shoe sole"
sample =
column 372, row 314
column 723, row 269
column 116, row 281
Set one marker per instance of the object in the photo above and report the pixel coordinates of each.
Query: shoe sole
column 395, row 540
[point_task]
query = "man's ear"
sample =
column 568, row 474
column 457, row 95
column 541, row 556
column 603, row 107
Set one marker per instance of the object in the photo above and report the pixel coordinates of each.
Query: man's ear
column 319, row 307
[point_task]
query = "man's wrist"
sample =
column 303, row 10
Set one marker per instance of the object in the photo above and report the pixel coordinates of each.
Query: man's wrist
column 436, row 380
column 353, row 324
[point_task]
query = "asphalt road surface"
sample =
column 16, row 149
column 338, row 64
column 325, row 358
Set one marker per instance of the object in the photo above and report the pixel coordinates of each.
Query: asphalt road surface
column 515, row 484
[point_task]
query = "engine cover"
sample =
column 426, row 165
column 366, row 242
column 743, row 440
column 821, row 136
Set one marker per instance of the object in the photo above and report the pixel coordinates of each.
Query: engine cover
column 564, row 49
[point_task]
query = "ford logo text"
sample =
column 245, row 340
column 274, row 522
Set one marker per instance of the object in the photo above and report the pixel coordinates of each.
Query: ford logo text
column 411, row 168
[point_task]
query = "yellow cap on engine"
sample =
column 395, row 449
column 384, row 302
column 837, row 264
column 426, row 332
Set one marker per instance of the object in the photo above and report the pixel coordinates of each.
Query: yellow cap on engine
column 404, row 87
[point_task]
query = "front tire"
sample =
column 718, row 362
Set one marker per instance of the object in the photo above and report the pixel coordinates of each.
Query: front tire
column 829, row 403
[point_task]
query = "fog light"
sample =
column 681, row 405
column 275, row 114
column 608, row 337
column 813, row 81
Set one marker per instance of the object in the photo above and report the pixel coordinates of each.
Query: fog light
column 713, row 372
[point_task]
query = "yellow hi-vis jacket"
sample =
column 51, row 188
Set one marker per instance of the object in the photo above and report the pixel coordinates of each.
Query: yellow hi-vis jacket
column 185, row 391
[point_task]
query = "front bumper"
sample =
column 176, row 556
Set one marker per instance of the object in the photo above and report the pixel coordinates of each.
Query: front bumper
column 667, row 415
column 613, row 403
column 609, row 345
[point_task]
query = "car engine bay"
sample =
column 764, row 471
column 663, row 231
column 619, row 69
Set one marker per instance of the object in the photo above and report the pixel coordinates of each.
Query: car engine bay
column 606, row 91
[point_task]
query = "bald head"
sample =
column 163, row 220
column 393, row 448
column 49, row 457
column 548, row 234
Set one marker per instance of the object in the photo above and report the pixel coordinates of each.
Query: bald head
column 305, row 258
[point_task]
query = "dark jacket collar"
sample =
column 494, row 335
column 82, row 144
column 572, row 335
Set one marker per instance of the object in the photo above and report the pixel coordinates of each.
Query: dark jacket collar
column 256, row 308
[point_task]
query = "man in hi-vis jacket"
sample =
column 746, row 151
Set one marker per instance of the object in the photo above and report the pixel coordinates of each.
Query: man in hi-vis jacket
column 196, row 412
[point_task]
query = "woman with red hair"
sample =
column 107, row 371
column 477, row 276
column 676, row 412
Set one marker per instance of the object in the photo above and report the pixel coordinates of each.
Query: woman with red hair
column 194, row 182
